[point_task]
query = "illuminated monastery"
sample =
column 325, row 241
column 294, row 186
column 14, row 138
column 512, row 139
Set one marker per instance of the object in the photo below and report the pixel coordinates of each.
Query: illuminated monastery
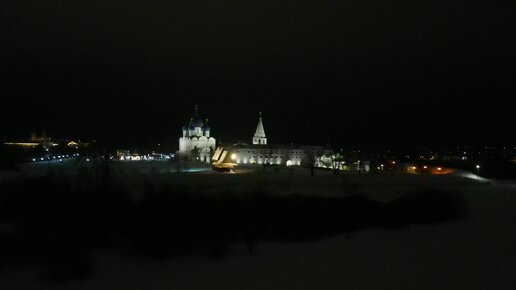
column 260, row 152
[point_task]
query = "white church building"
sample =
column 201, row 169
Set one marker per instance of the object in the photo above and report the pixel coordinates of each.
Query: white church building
column 196, row 139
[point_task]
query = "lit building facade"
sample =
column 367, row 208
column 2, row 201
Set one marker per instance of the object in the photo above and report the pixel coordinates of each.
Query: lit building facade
column 260, row 152
column 196, row 140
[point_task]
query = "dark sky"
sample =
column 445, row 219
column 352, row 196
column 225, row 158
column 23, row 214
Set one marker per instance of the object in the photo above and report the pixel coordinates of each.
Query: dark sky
column 350, row 71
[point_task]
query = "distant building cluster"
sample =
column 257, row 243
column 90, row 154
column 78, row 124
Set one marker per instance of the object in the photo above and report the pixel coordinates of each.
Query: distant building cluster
column 45, row 142
column 39, row 148
column 197, row 143
column 126, row 155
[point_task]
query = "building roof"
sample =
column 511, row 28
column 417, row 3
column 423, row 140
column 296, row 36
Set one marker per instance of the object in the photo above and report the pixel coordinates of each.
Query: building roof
column 275, row 146
column 196, row 121
column 260, row 132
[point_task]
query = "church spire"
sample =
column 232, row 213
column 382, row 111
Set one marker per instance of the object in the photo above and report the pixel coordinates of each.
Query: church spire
column 259, row 135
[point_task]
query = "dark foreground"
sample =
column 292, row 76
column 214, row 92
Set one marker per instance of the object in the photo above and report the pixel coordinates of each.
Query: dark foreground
column 57, row 228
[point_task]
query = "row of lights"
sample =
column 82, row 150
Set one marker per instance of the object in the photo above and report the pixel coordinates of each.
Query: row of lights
column 426, row 167
column 60, row 157
column 440, row 168
column 234, row 159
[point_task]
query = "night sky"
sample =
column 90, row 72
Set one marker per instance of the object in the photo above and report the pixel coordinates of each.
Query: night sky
column 351, row 72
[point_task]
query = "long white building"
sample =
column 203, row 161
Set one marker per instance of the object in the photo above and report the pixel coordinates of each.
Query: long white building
column 260, row 152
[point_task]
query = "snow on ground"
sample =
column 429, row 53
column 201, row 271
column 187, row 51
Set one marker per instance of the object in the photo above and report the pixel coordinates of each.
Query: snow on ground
column 199, row 176
column 477, row 252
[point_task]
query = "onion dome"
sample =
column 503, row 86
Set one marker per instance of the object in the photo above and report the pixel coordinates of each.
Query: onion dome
column 196, row 122
column 206, row 127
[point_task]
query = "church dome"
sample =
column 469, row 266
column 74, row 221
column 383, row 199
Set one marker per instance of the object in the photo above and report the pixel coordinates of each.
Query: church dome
column 196, row 122
column 206, row 126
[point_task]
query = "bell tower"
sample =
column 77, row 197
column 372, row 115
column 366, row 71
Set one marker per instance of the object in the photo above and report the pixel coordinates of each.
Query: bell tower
column 259, row 137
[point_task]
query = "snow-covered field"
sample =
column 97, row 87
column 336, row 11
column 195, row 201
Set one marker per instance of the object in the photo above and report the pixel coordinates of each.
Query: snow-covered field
column 282, row 180
column 476, row 252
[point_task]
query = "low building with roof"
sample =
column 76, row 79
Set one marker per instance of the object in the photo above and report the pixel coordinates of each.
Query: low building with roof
column 260, row 152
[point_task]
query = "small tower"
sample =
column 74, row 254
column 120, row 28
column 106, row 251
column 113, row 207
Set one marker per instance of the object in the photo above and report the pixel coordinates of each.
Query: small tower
column 206, row 129
column 185, row 131
column 259, row 137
